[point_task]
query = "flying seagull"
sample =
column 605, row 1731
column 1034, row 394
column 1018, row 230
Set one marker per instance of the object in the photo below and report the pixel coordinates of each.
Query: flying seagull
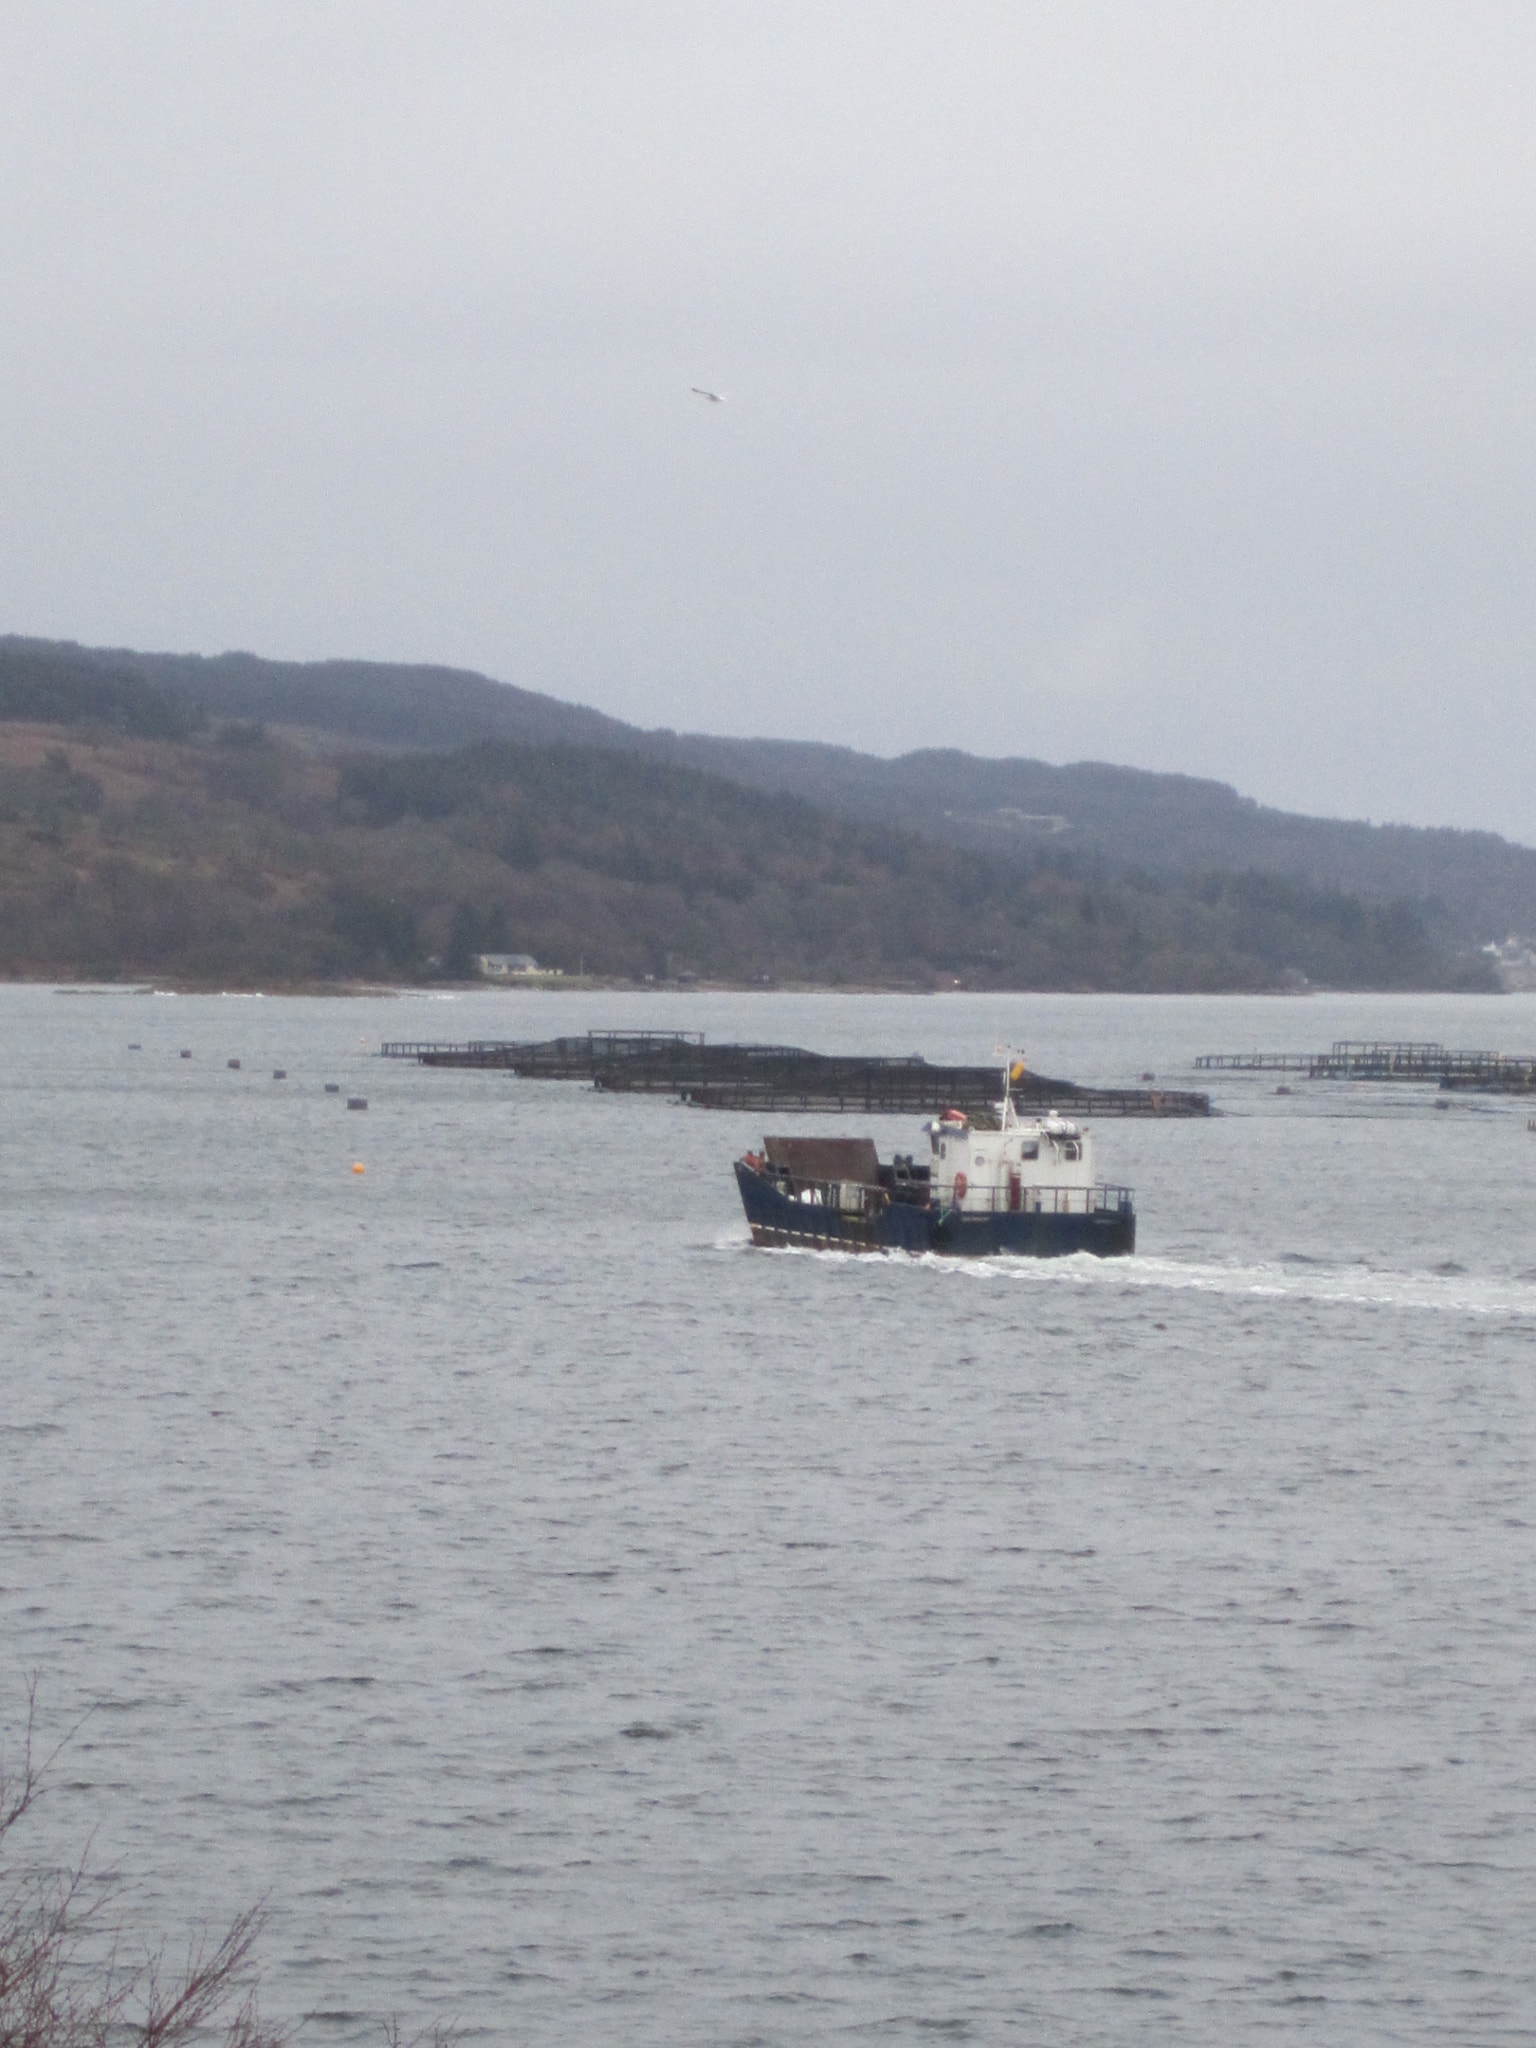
column 714, row 397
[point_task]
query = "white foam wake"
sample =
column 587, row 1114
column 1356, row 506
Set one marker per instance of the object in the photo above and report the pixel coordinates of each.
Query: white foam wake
column 1349, row 1286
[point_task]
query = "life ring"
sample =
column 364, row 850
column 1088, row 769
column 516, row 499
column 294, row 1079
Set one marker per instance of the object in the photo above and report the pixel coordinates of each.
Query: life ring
column 961, row 1184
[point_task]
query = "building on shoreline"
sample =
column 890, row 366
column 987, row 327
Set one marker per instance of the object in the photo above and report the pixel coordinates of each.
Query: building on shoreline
column 505, row 966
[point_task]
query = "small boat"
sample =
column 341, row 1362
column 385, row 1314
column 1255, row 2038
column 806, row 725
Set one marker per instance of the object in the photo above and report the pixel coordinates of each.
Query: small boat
column 992, row 1182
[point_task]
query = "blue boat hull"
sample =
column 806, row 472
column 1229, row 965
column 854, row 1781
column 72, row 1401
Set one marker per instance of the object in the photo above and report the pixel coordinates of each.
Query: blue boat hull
column 780, row 1222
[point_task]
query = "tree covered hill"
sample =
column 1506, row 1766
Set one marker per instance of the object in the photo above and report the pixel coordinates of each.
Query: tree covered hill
column 1469, row 886
column 229, row 855
column 390, row 704
column 66, row 686
column 1466, row 887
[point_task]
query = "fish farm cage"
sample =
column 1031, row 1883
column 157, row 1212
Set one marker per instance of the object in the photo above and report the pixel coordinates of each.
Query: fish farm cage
column 681, row 1064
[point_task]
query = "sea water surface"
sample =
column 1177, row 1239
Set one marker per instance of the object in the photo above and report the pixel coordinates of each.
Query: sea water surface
column 579, row 1626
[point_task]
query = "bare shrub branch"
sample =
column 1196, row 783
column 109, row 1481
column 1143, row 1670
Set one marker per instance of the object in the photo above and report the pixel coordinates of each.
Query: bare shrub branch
column 51, row 1996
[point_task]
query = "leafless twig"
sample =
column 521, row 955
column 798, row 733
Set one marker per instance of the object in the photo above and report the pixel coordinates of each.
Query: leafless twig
column 50, row 1997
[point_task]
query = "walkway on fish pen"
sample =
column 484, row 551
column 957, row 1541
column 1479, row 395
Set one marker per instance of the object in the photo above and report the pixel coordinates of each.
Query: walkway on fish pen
column 577, row 1058
column 786, row 1077
column 1360, row 1059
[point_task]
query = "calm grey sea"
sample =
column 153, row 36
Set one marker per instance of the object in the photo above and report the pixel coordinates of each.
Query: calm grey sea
column 582, row 1627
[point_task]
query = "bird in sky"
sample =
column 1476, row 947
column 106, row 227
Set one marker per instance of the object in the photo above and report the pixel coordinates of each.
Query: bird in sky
column 714, row 397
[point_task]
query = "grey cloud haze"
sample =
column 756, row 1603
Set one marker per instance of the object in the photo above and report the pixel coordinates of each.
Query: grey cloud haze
column 1145, row 383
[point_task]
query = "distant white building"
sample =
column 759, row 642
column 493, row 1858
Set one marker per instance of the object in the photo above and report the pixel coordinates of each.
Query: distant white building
column 504, row 966
column 1515, row 961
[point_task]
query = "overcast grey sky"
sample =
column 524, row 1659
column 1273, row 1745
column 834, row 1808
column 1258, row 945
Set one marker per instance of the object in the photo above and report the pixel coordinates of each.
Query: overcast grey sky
column 1131, row 382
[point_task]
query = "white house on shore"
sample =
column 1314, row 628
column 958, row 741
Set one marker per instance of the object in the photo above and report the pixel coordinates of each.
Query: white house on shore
column 505, row 966
column 1514, row 961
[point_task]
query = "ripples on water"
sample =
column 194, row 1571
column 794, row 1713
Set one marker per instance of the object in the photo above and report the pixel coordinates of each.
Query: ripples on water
column 582, row 1626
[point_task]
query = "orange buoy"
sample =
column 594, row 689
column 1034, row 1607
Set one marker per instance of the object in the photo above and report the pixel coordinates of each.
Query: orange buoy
column 358, row 1166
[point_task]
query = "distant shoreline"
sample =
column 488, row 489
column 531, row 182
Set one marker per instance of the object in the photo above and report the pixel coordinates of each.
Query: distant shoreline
column 592, row 985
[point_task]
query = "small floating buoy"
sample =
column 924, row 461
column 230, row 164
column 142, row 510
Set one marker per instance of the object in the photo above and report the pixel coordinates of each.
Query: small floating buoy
column 358, row 1166
column 333, row 1087
column 186, row 1052
column 279, row 1073
column 134, row 1046
column 357, row 1102
column 233, row 1065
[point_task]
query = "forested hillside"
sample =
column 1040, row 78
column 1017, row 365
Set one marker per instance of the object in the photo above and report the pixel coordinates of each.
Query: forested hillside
column 231, row 856
column 1465, row 887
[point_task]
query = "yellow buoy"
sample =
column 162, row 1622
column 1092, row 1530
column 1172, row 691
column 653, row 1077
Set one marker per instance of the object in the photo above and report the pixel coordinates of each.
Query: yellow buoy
column 358, row 1166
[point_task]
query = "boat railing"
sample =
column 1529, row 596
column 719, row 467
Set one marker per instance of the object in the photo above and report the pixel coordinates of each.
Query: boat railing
column 1012, row 1198
column 865, row 1198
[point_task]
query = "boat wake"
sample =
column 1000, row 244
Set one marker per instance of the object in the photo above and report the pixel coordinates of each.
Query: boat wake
column 1345, row 1286
column 1447, row 1289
